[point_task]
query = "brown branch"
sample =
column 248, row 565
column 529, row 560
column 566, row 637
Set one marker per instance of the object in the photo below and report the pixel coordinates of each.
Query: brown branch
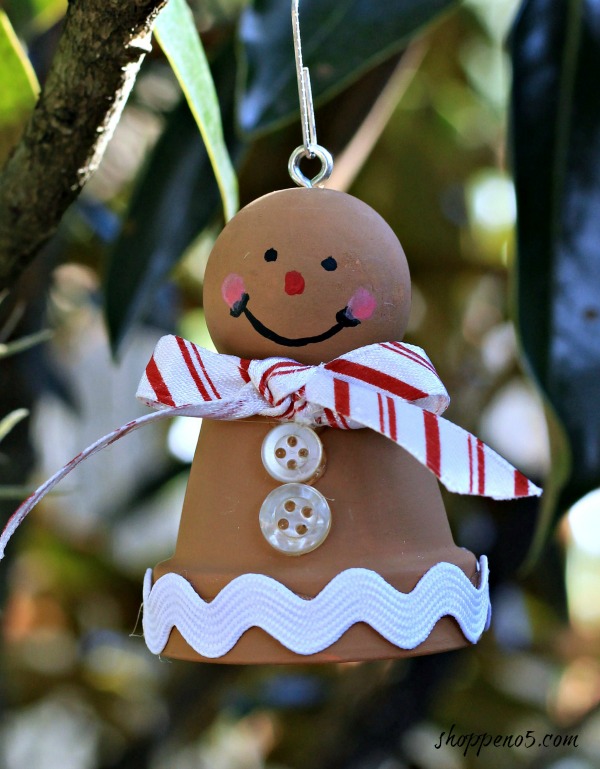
column 98, row 56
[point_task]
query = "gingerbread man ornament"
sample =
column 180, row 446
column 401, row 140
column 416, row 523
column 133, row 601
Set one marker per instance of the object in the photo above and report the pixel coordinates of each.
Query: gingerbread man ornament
column 308, row 275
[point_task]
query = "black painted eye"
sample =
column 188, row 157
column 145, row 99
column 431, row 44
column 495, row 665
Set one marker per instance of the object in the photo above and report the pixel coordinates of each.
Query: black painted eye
column 329, row 264
column 270, row 255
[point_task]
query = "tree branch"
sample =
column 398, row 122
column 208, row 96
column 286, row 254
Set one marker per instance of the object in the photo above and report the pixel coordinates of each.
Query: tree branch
column 98, row 56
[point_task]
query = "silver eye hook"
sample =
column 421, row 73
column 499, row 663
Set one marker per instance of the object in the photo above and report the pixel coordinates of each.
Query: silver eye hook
column 309, row 148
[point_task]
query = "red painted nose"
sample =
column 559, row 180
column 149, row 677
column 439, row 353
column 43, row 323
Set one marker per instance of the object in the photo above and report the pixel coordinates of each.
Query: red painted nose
column 294, row 283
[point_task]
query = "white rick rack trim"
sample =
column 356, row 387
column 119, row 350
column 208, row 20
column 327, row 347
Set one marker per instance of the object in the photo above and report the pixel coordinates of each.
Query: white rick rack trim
column 309, row 626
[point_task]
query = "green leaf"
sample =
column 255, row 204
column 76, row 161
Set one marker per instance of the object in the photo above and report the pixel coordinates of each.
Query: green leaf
column 176, row 32
column 19, row 84
column 341, row 39
column 175, row 198
column 11, row 420
column 556, row 136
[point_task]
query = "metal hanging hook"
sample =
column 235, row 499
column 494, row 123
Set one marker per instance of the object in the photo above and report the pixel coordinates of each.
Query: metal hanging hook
column 310, row 148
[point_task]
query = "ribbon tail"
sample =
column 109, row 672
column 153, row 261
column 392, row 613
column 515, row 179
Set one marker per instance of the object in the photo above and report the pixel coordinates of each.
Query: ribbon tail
column 107, row 440
column 462, row 462
column 466, row 465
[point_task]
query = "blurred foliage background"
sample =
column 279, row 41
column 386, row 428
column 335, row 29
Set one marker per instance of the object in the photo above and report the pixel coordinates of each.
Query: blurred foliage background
column 413, row 101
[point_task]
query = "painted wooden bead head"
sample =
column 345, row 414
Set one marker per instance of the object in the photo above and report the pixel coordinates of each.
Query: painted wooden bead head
column 308, row 274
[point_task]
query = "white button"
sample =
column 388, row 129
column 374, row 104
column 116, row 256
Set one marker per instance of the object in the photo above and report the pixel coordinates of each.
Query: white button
column 295, row 518
column 291, row 452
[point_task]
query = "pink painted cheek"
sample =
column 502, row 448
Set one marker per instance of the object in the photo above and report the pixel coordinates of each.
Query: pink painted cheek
column 232, row 289
column 362, row 304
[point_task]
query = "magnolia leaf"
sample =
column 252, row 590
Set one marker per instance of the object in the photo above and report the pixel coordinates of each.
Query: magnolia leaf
column 556, row 149
column 178, row 37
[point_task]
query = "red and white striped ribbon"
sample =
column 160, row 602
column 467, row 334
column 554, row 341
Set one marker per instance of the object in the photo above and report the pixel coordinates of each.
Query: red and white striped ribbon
column 391, row 388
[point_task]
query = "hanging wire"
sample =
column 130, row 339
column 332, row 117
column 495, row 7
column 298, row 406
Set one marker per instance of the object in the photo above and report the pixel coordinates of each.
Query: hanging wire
column 310, row 147
column 307, row 110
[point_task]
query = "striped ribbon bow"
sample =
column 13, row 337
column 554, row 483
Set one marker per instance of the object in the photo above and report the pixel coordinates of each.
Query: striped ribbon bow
column 391, row 388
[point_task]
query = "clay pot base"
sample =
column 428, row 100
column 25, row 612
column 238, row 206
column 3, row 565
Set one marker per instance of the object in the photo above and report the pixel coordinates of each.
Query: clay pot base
column 388, row 518
column 359, row 643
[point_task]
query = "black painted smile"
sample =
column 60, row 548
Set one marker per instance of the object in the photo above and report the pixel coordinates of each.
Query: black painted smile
column 343, row 317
